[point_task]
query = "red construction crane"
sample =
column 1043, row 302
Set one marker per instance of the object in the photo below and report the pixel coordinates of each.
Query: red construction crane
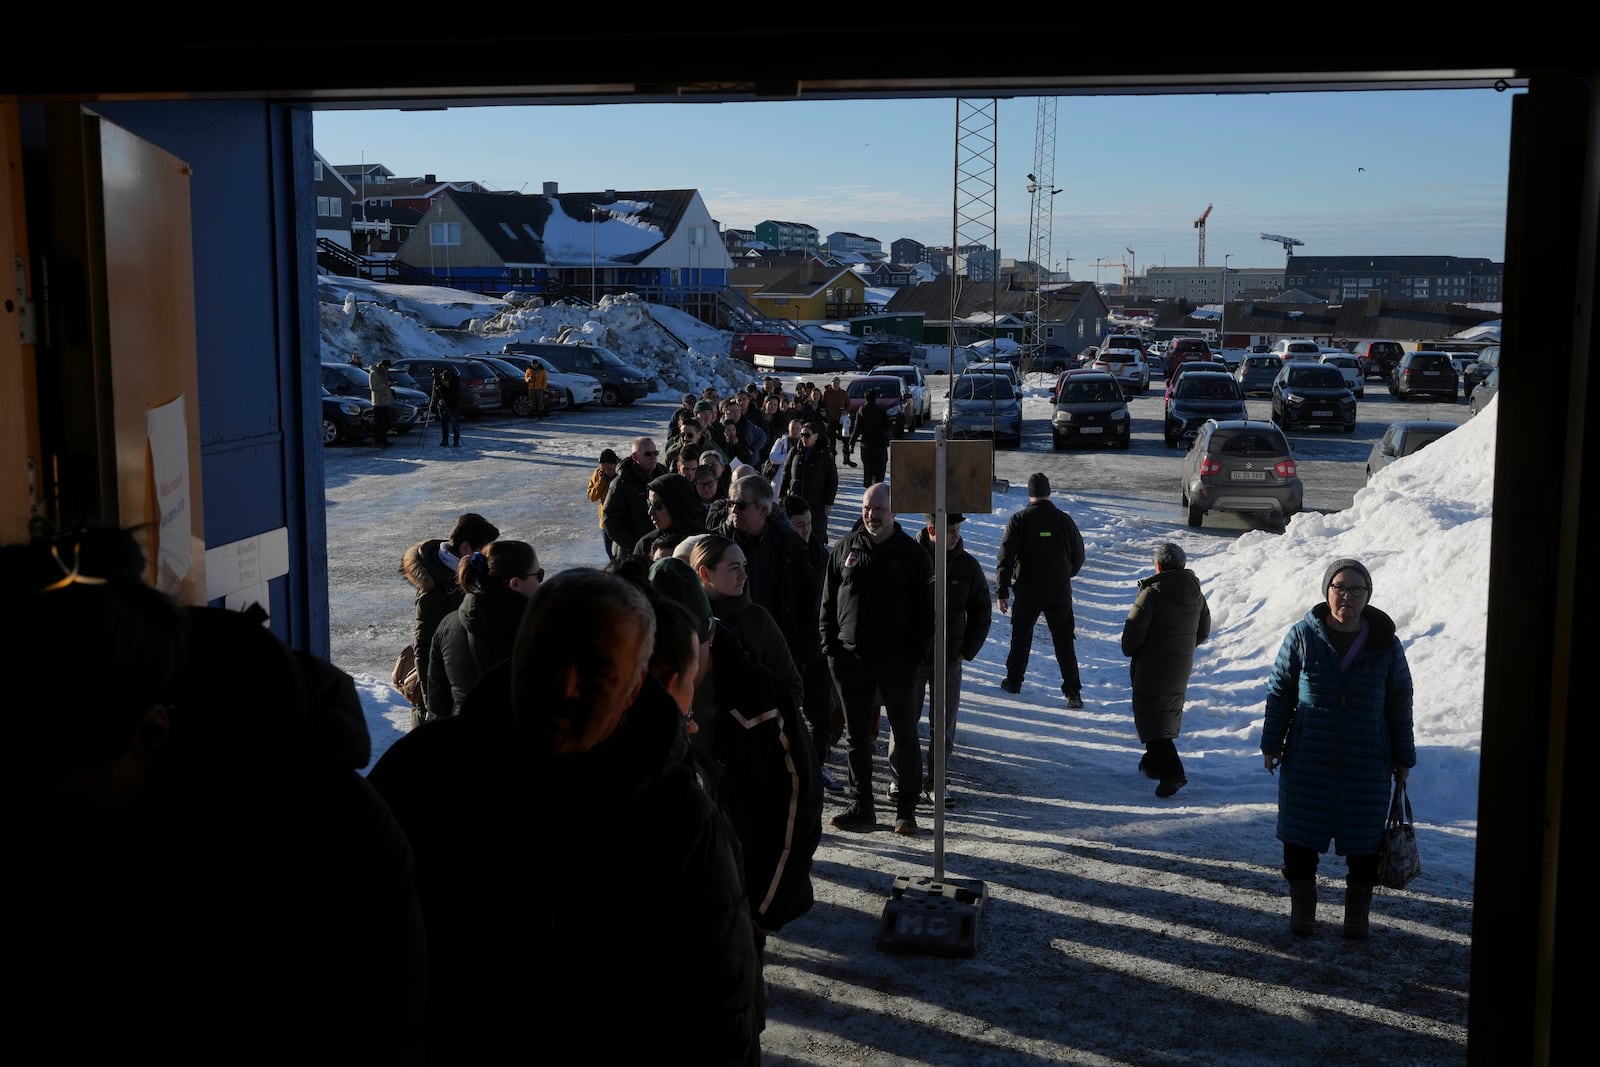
column 1200, row 224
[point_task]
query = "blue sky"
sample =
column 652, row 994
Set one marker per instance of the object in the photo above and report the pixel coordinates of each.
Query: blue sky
column 1380, row 173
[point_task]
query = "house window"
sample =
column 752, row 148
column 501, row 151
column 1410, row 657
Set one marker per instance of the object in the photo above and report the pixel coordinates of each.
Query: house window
column 316, row 171
column 444, row 233
column 529, row 231
column 509, row 232
column 335, row 207
column 697, row 235
column 322, row 206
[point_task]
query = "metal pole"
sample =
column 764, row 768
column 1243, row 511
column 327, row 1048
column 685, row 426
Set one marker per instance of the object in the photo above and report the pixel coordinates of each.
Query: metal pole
column 1222, row 323
column 941, row 624
column 591, row 257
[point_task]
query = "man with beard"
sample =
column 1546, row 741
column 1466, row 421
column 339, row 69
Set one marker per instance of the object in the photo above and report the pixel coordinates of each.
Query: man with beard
column 876, row 622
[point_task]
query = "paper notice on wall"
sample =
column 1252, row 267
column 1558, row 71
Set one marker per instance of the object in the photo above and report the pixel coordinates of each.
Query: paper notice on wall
column 168, row 428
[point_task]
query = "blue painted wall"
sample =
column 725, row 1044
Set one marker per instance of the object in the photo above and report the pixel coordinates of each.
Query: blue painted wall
column 253, row 221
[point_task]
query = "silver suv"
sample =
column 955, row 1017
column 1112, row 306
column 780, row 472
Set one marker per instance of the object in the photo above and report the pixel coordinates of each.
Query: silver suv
column 1242, row 466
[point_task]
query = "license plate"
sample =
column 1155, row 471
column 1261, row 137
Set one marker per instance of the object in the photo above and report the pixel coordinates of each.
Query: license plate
column 1249, row 476
column 1091, row 429
column 1322, row 414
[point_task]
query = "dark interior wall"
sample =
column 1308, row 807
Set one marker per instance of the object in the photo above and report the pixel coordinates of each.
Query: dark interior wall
column 253, row 252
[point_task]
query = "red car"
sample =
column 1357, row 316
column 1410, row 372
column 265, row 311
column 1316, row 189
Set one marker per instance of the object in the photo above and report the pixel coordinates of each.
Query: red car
column 894, row 397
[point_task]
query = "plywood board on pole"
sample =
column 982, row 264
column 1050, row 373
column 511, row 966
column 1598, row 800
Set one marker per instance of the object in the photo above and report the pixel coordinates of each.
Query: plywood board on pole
column 969, row 482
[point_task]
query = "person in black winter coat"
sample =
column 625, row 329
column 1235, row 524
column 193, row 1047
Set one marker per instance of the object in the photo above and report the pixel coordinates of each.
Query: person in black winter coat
column 810, row 472
column 1040, row 553
column 569, row 859
column 871, row 432
column 430, row 566
column 967, row 618
column 875, row 624
column 626, row 515
column 170, row 867
column 1168, row 619
column 497, row 583
column 674, row 511
column 446, row 402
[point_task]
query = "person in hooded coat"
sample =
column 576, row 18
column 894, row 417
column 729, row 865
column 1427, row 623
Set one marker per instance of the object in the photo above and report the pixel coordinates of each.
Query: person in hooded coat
column 1168, row 619
column 430, row 566
column 675, row 512
column 496, row 583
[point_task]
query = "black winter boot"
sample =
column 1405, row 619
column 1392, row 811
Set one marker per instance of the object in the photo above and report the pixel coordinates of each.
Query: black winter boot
column 1303, row 907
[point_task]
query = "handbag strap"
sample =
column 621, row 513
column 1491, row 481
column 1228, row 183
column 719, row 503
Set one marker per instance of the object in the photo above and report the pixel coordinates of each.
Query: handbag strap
column 1400, row 802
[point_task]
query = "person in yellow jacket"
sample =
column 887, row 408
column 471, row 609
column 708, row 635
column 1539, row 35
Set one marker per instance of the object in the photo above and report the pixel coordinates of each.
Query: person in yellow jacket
column 599, row 484
column 538, row 381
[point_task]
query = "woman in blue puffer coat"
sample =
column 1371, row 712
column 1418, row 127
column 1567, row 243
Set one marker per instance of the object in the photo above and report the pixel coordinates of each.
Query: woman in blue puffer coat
column 1338, row 723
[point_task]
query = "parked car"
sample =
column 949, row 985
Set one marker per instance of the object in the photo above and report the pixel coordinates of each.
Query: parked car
column 989, row 366
column 1047, row 356
column 1312, row 394
column 747, row 345
column 562, row 390
column 1001, row 349
column 1296, row 350
column 808, row 358
column 1379, row 358
column 620, row 382
column 480, row 385
column 1425, row 374
column 1256, row 374
column 893, row 397
column 1483, row 393
column 986, row 405
column 1487, row 360
column 1089, row 409
column 1127, row 366
column 917, row 385
column 875, row 353
column 1186, row 349
column 1198, row 397
column 1350, row 367
column 346, row 379
column 1124, row 341
column 1158, row 365
column 1403, row 439
column 1464, row 362
column 1188, row 370
column 1241, row 466
column 942, row 359
column 514, row 386
column 345, row 419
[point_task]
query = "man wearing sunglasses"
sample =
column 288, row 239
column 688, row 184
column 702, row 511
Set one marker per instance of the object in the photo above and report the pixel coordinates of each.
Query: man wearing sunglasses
column 627, row 507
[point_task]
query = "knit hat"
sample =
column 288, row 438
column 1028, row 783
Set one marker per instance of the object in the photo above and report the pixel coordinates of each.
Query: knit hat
column 608, row 455
column 1345, row 565
column 672, row 577
column 1038, row 485
column 704, row 405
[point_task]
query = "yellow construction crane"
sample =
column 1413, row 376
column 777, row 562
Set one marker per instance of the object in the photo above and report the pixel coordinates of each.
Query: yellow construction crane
column 1112, row 263
column 1200, row 224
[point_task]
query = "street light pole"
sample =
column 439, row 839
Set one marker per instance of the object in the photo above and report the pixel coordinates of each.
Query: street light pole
column 1222, row 325
column 591, row 256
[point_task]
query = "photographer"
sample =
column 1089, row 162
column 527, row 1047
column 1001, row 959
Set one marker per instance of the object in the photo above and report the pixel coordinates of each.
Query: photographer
column 382, row 402
column 445, row 401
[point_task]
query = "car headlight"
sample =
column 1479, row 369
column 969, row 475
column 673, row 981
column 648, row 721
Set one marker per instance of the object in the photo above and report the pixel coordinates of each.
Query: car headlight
column 350, row 409
column 1064, row 416
column 1294, row 398
column 1119, row 415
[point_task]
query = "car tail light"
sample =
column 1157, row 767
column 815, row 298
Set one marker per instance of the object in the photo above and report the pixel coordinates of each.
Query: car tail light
column 1284, row 468
column 1210, row 465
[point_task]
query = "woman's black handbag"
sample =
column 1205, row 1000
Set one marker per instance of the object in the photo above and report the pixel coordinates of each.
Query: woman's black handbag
column 1398, row 862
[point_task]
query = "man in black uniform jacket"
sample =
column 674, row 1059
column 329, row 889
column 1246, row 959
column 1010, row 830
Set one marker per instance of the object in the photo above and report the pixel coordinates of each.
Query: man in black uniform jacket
column 1040, row 553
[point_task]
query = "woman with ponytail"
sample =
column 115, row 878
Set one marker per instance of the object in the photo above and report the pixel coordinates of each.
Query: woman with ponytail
column 497, row 582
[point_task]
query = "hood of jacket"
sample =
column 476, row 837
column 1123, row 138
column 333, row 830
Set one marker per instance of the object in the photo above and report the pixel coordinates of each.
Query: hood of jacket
column 493, row 611
column 1180, row 587
column 683, row 503
column 422, row 568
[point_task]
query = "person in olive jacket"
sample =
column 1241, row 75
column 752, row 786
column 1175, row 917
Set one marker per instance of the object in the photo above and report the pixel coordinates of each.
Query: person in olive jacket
column 1168, row 619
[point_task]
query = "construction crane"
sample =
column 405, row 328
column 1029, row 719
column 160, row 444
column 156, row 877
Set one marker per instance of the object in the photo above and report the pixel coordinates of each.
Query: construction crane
column 1042, row 192
column 1112, row 263
column 1200, row 224
column 1288, row 243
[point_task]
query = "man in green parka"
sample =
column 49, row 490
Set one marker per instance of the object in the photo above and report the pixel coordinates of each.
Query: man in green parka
column 1168, row 619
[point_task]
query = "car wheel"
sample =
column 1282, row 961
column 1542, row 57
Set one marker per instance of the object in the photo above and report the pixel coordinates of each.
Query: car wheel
column 1196, row 516
column 330, row 431
column 572, row 401
column 522, row 405
column 610, row 397
column 1349, row 427
column 1057, row 443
